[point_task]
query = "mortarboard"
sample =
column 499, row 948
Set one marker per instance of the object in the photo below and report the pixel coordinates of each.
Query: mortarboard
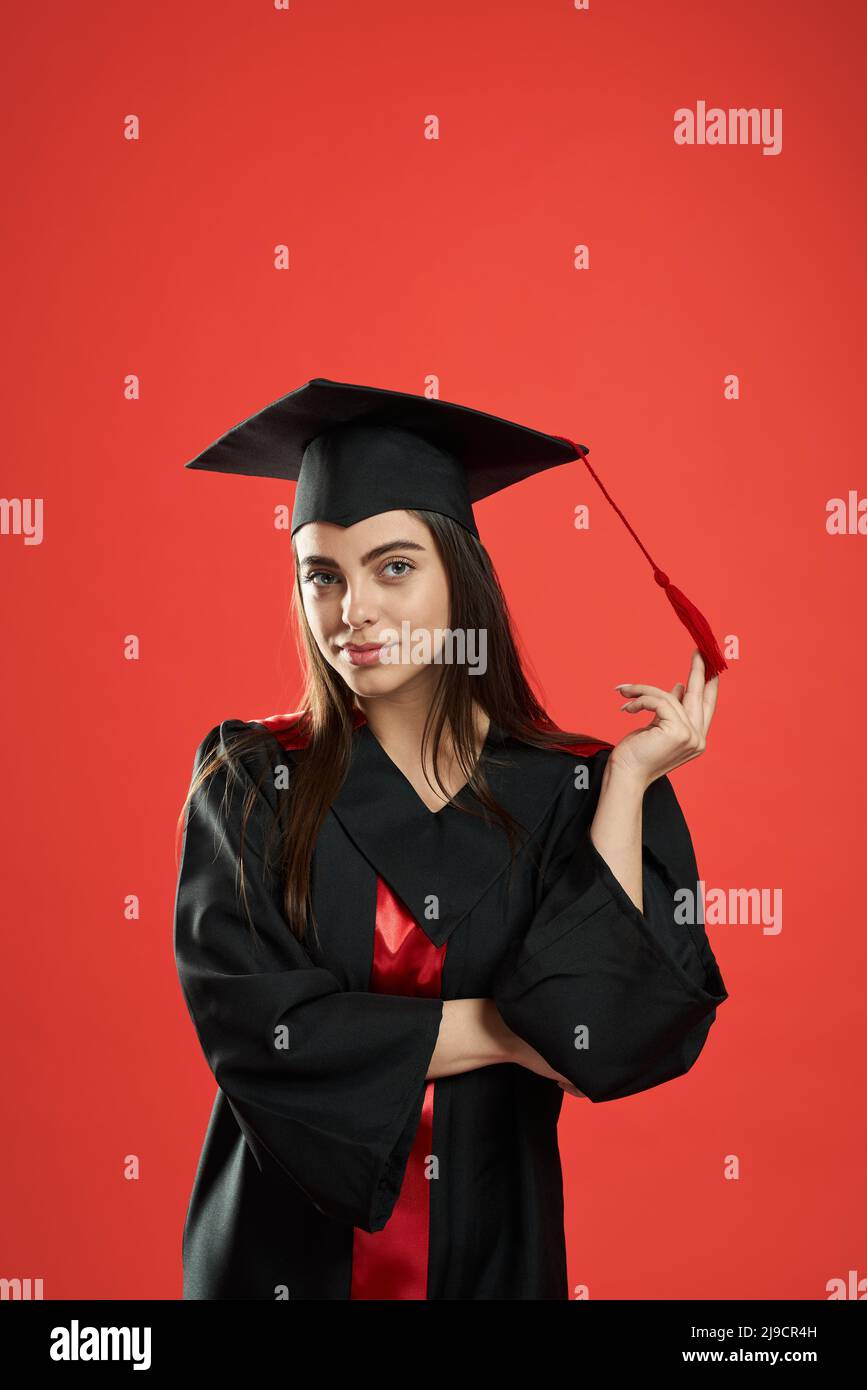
column 355, row 451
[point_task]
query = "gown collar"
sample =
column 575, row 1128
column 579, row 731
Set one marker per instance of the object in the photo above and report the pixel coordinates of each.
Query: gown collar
column 440, row 863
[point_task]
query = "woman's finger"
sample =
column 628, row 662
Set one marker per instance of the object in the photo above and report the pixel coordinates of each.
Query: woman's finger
column 695, row 679
column 671, row 704
column 664, row 705
column 636, row 688
column 711, row 691
column 694, row 695
column 691, row 738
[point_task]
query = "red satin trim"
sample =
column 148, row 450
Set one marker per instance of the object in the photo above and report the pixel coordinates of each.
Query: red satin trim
column 392, row 1263
column 292, row 728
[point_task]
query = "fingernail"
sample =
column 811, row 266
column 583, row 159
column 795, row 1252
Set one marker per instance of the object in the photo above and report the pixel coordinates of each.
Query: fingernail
column 623, row 685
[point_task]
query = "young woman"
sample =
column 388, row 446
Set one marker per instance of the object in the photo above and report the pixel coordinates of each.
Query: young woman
column 413, row 913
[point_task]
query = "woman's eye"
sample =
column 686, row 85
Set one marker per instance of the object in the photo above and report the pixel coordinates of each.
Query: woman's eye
column 314, row 575
column 403, row 566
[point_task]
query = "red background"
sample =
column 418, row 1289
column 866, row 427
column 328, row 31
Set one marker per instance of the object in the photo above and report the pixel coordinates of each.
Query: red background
column 452, row 257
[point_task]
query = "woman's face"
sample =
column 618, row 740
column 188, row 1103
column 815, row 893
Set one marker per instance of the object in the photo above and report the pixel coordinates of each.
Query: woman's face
column 376, row 599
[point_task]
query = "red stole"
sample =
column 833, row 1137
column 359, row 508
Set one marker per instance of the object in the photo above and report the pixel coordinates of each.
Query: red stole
column 392, row 1263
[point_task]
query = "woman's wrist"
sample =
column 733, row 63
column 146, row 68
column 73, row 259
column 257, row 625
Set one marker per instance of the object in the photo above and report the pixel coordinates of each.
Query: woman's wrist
column 472, row 1034
column 625, row 780
column 502, row 1039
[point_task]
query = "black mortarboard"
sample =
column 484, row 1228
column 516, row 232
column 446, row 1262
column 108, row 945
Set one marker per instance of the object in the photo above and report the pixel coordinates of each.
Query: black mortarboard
column 355, row 451
column 359, row 450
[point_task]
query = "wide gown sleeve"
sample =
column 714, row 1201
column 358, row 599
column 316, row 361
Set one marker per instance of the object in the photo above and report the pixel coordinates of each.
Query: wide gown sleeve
column 329, row 1083
column 617, row 1000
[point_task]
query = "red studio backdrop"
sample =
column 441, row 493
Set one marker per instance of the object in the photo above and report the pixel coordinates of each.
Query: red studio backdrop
column 489, row 201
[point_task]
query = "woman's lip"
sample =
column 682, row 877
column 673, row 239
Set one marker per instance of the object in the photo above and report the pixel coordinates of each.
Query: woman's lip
column 366, row 655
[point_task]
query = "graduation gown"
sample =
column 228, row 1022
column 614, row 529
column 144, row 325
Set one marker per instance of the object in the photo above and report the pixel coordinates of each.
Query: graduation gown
column 331, row 1167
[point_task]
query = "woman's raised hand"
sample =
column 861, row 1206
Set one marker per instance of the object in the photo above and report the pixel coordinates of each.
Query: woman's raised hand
column 678, row 731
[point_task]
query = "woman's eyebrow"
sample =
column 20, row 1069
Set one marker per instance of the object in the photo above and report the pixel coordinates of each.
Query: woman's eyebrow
column 365, row 559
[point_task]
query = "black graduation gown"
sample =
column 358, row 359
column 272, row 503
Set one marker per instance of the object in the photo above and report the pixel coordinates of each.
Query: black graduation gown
column 331, row 1168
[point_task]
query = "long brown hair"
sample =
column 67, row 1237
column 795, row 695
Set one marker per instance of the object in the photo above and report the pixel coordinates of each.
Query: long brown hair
column 327, row 710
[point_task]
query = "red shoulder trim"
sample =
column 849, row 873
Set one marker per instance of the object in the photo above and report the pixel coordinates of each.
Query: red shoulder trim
column 291, row 730
column 585, row 748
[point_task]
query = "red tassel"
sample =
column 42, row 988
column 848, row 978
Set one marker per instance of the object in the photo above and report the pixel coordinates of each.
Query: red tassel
column 694, row 621
column 696, row 624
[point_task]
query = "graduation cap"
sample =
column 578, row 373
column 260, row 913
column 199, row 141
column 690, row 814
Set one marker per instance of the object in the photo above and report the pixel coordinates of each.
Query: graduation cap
column 355, row 451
